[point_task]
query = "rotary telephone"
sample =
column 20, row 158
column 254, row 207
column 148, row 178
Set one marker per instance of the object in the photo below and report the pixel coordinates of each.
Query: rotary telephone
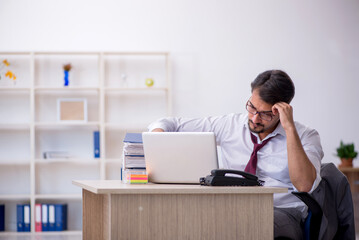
column 237, row 178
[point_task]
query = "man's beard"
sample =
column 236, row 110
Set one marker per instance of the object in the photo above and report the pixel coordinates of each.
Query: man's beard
column 261, row 130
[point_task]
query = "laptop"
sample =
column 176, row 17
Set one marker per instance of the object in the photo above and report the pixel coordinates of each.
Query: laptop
column 179, row 157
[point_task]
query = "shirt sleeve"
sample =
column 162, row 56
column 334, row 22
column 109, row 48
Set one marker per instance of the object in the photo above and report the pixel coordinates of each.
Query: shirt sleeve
column 217, row 124
column 313, row 148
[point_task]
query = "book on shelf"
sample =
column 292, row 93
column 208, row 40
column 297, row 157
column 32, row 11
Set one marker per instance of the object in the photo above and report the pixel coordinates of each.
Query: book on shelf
column 44, row 218
column 60, row 217
column 96, row 144
column 134, row 164
column 56, row 155
column 2, row 217
column 53, row 217
column 38, row 225
column 23, row 217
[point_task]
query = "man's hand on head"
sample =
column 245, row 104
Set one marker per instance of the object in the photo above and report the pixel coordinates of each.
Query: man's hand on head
column 158, row 130
column 285, row 112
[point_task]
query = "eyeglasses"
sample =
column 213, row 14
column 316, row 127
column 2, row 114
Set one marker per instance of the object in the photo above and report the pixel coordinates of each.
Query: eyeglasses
column 264, row 115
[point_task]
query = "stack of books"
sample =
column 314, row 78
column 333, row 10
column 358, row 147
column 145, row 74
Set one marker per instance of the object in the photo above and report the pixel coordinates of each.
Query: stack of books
column 134, row 165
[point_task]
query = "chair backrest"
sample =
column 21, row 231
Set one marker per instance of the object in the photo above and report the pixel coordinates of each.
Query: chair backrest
column 330, row 206
column 334, row 196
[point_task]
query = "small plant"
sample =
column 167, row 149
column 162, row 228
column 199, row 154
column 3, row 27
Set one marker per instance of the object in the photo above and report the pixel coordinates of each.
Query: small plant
column 346, row 150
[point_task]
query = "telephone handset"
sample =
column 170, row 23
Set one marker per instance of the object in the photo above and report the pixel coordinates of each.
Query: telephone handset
column 238, row 178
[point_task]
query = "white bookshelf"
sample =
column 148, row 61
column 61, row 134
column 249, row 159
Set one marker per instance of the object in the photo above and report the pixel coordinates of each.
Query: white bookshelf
column 118, row 101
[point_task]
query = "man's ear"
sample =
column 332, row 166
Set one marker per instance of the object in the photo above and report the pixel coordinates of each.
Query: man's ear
column 275, row 110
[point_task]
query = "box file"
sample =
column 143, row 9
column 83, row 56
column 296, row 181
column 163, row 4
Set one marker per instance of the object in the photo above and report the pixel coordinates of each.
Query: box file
column 45, row 224
column 23, row 217
column 51, row 217
column 60, row 217
column 96, row 142
column 38, row 215
column 27, row 218
column 20, row 217
column 2, row 217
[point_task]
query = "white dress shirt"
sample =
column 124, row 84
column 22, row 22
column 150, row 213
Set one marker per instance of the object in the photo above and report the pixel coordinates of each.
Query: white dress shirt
column 233, row 136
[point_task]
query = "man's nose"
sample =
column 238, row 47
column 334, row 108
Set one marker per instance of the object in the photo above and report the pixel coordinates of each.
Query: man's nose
column 256, row 118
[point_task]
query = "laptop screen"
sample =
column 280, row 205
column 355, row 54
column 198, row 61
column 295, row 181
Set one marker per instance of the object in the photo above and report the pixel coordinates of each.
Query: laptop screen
column 179, row 157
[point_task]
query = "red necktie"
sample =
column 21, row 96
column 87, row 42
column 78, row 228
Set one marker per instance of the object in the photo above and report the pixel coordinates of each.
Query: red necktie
column 252, row 163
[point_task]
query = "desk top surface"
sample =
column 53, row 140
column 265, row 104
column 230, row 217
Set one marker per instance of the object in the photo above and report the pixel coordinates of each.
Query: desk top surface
column 348, row 169
column 118, row 187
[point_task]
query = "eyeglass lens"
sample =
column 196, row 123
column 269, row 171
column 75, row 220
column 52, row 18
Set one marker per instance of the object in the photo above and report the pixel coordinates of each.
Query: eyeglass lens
column 262, row 115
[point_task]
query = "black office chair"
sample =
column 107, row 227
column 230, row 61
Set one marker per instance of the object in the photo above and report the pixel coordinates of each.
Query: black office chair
column 314, row 218
column 330, row 207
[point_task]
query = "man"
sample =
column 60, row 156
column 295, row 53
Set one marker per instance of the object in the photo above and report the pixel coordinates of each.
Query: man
column 267, row 142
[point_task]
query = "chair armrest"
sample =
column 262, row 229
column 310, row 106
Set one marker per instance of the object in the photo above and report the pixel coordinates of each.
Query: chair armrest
column 316, row 213
column 312, row 204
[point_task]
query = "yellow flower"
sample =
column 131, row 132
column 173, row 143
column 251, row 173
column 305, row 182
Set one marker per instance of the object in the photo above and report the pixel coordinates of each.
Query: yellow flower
column 10, row 75
column 6, row 62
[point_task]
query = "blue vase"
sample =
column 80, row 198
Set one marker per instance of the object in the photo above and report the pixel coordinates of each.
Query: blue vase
column 66, row 78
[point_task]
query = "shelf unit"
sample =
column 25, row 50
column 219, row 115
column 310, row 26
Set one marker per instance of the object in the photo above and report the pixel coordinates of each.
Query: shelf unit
column 118, row 101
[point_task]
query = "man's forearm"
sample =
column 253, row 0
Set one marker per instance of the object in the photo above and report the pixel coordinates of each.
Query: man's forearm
column 166, row 124
column 207, row 124
column 301, row 171
column 158, row 130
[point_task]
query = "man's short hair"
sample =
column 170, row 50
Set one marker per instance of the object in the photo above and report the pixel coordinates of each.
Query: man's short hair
column 274, row 86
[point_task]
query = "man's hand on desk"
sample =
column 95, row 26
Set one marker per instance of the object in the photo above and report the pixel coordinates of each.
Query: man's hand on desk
column 158, row 130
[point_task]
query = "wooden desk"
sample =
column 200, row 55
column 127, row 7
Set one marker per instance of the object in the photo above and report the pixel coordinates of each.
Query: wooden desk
column 353, row 178
column 113, row 210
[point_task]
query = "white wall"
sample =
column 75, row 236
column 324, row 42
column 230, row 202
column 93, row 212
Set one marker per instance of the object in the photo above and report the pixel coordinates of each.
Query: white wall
column 217, row 47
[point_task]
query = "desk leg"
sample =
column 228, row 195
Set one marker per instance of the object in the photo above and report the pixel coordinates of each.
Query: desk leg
column 192, row 216
column 95, row 218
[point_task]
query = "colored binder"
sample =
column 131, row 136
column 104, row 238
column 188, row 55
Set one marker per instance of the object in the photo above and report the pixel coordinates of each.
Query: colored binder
column 96, row 142
column 60, row 217
column 23, row 217
column 27, row 217
column 44, row 212
column 51, row 217
column 2, row 217
column 38, row 215
column 20, row 217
